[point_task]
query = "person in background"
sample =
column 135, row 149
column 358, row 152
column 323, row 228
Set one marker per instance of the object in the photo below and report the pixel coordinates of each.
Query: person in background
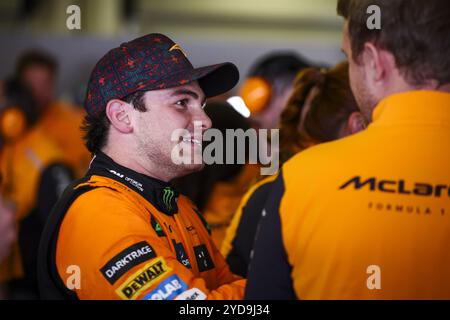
column 269, row 85
column 265, row 92
column 321, row 109
column 367, row 217
column 59, row 120
column 7, row 234
column 218, row 188
column 7, row 237
column 33, row 175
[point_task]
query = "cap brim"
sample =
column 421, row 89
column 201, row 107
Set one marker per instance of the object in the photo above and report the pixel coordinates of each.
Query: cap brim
column 217, row 79
column 214, row 80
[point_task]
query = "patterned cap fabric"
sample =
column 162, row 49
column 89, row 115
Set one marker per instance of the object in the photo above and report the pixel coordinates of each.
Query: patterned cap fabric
column 151, row 62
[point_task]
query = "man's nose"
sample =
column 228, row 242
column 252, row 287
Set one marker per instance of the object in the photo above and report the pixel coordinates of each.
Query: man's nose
column 203, row 118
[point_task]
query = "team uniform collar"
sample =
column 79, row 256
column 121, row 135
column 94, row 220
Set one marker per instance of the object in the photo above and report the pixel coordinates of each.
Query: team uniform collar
column 159, row 193
column 414, row 108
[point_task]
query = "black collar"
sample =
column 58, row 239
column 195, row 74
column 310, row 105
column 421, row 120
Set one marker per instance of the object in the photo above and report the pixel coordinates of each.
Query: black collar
column 159, row 193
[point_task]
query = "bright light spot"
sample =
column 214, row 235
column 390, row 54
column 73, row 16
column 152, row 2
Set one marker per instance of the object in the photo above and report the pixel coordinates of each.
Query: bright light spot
column 239, row 105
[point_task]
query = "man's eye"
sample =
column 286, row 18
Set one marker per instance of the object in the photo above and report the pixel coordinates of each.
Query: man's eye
column 182, row 103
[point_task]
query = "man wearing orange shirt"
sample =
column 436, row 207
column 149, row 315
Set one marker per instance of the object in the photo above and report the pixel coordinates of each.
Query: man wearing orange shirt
column 60, row 121
column 367, row 217
column 123, row 226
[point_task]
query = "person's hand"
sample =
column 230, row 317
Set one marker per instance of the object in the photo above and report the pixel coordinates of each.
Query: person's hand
column 7, row 230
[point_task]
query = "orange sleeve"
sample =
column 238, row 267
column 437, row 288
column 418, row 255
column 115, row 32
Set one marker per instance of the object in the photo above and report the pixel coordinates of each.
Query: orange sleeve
column 230, row 285
column 107, row 241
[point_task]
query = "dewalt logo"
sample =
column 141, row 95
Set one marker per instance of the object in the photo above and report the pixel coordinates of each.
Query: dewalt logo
column 143, row 279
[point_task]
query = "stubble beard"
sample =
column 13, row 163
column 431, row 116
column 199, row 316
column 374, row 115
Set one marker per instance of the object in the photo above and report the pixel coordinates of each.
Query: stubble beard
column 365, row 99
column 157, row 154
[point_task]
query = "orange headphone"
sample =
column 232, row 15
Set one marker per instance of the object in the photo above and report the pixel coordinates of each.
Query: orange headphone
column 17, row 113
column 258, row 90
column 13, row 123
column 256, row 93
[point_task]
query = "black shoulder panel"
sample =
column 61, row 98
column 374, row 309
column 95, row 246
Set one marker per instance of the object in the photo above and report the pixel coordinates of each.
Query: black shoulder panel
column 239, row 257
column 51, row 287
column 269, row 274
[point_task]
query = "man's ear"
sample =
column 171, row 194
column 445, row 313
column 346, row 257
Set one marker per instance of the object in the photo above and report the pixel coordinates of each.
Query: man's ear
column 356, row 123
column 378, row 63
column 117, row 112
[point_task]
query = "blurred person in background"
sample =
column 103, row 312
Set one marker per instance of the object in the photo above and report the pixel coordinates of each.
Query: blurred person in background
column 321, row 109
column 33, row 175
column 7, row 236
column 269, row 85
column 7, row 233
column 367, row 217
column 61, row 121
column 265, row 92
column 218, row 188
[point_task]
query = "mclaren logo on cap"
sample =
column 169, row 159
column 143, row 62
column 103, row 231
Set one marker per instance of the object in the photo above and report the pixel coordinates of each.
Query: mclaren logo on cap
column 177, row 47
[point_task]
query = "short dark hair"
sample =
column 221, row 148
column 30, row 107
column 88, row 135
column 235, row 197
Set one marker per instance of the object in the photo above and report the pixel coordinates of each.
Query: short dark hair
column 36, row 58
column 416, row 32
column 96, row 128
column 279, row 69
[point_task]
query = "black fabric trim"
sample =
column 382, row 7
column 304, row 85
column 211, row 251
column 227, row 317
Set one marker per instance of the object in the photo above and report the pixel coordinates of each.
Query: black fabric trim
column 156, row 226
column 239, row 257
column 269, row 274
column 51, row 286
column 53, row 179
column 204, row 260
column 159, row 193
